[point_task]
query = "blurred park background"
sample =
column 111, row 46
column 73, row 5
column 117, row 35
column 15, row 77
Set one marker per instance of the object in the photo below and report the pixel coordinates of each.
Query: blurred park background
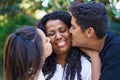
column 14, row 13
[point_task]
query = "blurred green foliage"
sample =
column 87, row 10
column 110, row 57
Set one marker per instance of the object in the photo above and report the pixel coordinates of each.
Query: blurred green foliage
column 14, row 13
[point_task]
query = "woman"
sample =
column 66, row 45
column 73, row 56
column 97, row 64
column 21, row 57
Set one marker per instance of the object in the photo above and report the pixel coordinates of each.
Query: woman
column 66, row 62
column 24, row 53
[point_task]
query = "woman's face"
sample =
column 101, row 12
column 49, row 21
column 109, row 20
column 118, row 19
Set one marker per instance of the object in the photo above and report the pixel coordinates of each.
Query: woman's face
column 46, row 44
column 59, row 35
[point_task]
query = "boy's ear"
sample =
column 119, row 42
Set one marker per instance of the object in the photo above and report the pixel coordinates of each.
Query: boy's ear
column 90, row 32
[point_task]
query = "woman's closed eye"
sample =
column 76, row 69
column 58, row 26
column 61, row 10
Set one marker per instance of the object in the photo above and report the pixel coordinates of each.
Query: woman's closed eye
column 62, row 30
column 50, row 34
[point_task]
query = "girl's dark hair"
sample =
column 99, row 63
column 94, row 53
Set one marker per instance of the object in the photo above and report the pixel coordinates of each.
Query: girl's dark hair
column 72, row 63
column 23, row 53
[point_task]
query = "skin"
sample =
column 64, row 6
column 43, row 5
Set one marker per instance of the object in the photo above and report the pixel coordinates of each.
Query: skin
column 24, row 64
column 85, row 38
column 60, row 39
column 96, row 63
column 46, row 44
column 77, row 40
column 90, row 44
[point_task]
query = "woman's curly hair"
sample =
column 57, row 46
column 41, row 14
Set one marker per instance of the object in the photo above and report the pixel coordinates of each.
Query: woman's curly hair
column 72, row 62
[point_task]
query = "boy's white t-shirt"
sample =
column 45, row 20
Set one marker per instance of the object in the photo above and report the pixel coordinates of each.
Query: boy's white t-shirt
column 85, row 72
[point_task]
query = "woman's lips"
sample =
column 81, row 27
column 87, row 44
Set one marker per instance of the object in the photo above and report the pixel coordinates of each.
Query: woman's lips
column 61, row 43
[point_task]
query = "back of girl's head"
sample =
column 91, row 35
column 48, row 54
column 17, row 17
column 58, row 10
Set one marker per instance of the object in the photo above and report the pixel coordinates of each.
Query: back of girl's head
column 22, row 54
column 61, row 15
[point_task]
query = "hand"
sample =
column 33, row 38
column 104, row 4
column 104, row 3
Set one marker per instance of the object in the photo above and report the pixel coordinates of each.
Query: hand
column 95, row 61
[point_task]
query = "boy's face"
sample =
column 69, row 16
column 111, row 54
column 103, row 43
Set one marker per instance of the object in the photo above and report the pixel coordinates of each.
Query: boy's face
column 79, row 38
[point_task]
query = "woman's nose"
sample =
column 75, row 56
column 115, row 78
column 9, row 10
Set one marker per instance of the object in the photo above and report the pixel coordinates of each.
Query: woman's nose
column 58, row 36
